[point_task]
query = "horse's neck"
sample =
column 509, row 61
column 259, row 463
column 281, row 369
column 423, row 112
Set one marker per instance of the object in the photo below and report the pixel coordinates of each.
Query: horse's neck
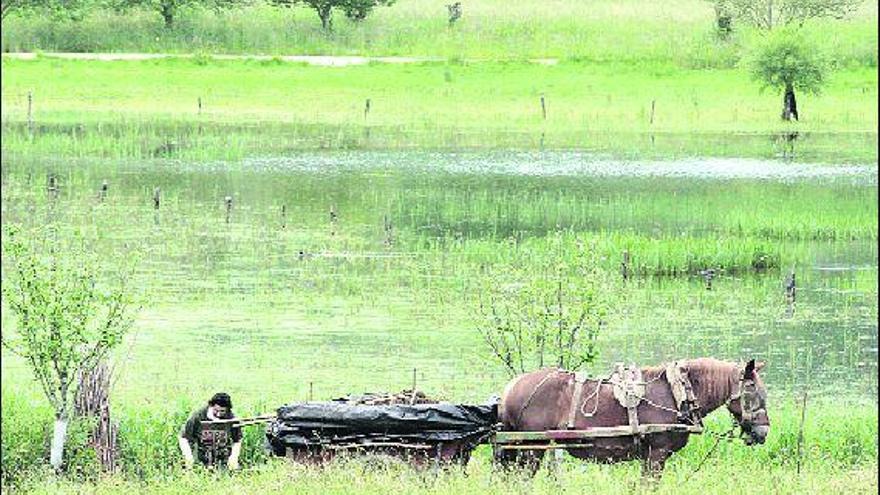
column 712, row 383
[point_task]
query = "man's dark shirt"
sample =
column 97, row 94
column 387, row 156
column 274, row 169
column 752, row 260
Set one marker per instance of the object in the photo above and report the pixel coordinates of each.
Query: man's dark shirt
column 213, row 443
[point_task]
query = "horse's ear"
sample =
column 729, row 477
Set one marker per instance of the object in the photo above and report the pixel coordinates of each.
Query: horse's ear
column 759, row 365
column 750, row 368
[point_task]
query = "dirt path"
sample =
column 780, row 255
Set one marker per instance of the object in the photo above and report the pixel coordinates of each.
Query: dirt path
column 322, row 60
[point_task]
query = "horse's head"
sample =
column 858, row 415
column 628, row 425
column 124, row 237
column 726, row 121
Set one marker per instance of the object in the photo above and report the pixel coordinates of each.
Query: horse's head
column 748, row 404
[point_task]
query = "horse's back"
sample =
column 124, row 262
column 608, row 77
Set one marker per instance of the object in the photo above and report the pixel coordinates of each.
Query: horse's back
column 522, row 391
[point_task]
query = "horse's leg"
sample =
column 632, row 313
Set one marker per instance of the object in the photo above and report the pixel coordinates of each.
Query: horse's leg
column 528, row 460
column 653, row 462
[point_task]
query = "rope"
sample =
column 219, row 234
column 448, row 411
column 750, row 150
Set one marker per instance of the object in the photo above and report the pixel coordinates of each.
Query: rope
column 725, row 436
column 532, row 395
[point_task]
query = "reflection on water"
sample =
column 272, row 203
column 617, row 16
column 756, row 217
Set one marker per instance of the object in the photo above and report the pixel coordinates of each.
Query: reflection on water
column 358, row 300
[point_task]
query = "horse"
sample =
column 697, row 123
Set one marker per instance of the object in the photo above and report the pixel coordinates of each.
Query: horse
column 542, row 401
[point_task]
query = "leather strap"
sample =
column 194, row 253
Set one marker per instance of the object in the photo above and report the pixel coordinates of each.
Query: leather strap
column 579, row 379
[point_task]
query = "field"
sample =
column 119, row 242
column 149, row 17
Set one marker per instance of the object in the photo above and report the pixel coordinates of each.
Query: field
column 452, row 182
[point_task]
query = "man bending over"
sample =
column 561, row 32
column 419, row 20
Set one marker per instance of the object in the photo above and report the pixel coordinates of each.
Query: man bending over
column 214, row 443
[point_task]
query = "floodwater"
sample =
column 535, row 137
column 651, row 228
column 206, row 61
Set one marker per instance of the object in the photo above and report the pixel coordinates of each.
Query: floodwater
column 350, row 269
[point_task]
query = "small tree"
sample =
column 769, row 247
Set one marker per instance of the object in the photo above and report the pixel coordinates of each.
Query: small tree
column 768, row 14
column 545, row 315
column 67, row 320
column 786, row 62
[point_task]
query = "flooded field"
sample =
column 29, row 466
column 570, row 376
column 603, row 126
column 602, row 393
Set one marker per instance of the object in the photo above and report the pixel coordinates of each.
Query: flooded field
column 338, row 272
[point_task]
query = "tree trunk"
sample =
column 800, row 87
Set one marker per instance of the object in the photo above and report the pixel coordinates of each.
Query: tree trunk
column 326, row 15
column 168, row 15
column 59, row 436
column 789, row 104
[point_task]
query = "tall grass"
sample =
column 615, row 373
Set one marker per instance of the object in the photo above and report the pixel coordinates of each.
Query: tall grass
column 679, row 32
column 836, row 438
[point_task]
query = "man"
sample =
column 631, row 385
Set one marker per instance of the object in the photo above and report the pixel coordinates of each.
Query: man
column 215, row 443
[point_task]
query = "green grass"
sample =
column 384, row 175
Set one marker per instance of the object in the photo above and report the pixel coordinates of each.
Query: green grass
column 136, row 108
column 678, row 32
column 840, row 441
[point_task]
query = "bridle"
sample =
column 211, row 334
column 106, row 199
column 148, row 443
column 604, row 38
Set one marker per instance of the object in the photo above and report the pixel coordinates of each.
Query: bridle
column 750, row 402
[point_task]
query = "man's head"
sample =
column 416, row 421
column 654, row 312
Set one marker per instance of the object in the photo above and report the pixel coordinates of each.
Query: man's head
column 220, row 404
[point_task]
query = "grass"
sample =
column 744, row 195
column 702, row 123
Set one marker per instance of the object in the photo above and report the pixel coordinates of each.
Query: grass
column 268, row 313
column 116, row 109
column 678, row 32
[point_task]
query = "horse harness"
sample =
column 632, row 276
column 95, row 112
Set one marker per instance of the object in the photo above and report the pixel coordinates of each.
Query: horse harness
column 630, row 389
column 747, row 393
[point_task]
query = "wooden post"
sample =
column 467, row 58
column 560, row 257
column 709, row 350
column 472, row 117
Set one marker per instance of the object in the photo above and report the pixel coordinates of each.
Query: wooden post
column 103, row 194
column 283, row 216
column 790, row 288
column 652, row 111
column 388, row 230
column 52, row 186
column 156, row 192
column 366, row 109
column 624, row 265
column 800, row 439
column 413, row 399
column 228, row 201
column 543, row 107
column 311, row 391
column 30, row 112
column 708, row 275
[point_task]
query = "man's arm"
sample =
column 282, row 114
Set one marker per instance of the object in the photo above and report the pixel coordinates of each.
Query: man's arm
column 187, row 435
column 186, row 449
column 232, row 463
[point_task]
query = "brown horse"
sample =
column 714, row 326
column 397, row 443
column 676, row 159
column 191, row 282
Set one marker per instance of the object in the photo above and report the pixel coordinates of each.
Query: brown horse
column 542, row 400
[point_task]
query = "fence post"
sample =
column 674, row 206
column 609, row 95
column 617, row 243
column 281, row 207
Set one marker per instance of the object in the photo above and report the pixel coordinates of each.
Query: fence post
column 366, row 108
column 800, row 438
column 200, row 105
column 333, row 219
column 624, row 265
column 283, row 216
column 790, row 288
column 30, row 112
column 228, row 202
column 52, row 186
column 156, row 194
column 543, row 107
column 413, row 399
column 652, row 111
column 103, row 193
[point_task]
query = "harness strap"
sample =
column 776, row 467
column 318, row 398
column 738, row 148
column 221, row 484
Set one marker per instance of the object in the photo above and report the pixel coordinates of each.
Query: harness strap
column 579, row 379
column 683, row 391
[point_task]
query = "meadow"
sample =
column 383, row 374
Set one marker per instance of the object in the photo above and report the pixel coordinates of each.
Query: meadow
column 680, row 32
column 655, row 143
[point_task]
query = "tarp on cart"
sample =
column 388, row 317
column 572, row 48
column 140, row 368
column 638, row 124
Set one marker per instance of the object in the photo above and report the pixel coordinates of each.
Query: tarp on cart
column 329, row 423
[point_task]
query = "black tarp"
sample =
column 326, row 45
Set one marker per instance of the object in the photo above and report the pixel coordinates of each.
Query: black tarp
column 328, row 423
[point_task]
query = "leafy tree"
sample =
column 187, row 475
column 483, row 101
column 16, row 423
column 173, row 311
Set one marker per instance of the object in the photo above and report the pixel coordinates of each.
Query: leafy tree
column 72, row 9
column 356, row 10
column 67, row 319
column 544, row 315
column 768, row 14
column 787, row 62
column 169, row 9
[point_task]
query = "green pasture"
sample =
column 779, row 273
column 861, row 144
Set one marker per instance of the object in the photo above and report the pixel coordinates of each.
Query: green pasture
column 151, row 108
column 680, row 32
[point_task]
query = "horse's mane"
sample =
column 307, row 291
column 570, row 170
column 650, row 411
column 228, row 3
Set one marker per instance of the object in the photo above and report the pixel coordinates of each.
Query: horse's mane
column 712, row 379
